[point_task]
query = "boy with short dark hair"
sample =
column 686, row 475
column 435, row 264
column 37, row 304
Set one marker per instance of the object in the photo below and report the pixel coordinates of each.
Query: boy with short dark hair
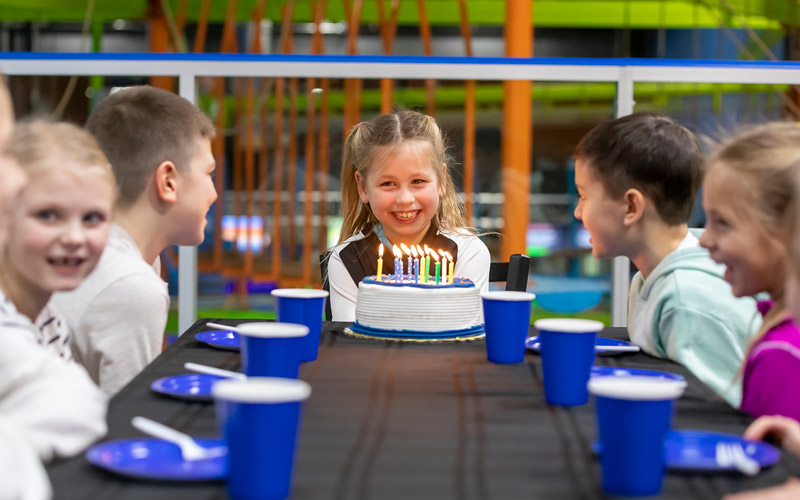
column 159, row 146
column 637, row 177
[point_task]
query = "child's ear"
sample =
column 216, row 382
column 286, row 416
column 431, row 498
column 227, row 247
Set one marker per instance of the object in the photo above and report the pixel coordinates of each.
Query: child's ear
column 634, row 206
column 362, row 188
column 166, row 182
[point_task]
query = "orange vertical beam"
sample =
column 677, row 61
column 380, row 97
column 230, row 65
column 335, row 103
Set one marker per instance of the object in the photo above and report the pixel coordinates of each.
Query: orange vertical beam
column 388, row 32
column 280, row 92
column 517, row 130
column 218, row 148
column 291, row 153
column 277, row 188
column 180, row 22
column 159, row 42
column 427, row 46
column 291, row 158
column 311, row 149
column 317, row 47
column 309, row 178
column 352, row 86
column 202, row 26
column 324, row 145
column 469, row 119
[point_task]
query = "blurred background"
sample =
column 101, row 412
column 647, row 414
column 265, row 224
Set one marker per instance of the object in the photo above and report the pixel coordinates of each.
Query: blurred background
column 279, row 139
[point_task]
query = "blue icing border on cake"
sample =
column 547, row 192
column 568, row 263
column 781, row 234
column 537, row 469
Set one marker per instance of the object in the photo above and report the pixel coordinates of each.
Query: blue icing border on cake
column 388, row 280
column 408, row 334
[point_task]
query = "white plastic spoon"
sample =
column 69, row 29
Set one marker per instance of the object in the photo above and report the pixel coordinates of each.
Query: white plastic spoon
column 210, row 370
column 617, row 348
column 190, row 450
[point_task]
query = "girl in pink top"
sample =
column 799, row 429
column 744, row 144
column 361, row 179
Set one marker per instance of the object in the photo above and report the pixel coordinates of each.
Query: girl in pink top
column 748, row 193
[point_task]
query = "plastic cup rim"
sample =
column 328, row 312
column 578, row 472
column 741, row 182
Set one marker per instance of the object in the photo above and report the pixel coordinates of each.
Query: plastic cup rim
column 636, row 388
column 508, row 296
column 272, row 330
column 299, row 293
column 568, row 325
column 269, row 390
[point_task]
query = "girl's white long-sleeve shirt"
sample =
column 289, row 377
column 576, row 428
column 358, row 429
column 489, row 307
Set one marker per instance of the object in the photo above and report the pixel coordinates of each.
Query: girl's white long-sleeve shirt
column 49, row 408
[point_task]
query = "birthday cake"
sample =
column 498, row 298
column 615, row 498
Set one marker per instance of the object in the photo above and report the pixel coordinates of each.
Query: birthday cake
column 411, row 311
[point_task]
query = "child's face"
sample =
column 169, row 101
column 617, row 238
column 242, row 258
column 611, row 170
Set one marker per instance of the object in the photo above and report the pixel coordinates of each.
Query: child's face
column 59, row 228
column 601, row 215
column 755, row 260
column 196, row 194
column 403, row 193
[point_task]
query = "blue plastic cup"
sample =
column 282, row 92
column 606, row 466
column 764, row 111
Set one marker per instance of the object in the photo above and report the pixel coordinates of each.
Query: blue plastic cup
column 271, row 349
column 305, row 307
column 634, row 415
column 507, row 318
column 567, row 349
column 259, row 419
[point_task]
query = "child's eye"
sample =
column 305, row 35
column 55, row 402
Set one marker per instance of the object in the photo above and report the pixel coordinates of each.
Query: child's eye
column 419, row 181
column 94, row 217
column 386, row 183
column 46, row 215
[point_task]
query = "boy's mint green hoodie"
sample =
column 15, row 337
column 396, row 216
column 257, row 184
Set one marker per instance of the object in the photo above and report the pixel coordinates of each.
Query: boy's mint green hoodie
column 685, row 311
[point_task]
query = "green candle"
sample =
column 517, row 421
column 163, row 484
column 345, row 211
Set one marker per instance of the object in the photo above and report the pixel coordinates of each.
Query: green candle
column 427, row 267
column 438, row 265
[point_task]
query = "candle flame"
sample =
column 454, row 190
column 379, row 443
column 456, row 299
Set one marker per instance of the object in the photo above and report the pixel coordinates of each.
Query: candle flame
column 441, row 252
column 406, row 250
column 380, row 250
column 396, row 251
column 435, row 255
column 449, row 257
column 414, row 251
column 421, row 251
column 427, row 250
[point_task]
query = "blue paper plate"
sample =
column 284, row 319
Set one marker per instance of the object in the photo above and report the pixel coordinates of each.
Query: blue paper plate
column 157, row 459
column 534, row 344
column 616, row 371
column 221, row 339
column 691, row 450
column 697, row 450
column 190, row 387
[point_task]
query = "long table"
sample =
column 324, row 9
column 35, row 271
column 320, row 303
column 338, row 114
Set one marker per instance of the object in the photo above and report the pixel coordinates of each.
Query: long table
column 431, row 421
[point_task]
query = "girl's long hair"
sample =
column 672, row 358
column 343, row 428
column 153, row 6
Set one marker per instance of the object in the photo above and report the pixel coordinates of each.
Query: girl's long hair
column 372, row 142
column 767, row 159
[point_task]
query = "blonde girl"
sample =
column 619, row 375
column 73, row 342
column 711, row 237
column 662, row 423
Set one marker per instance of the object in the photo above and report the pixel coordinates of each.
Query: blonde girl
column 396, row 188
column 57, row 228
column 748, row 193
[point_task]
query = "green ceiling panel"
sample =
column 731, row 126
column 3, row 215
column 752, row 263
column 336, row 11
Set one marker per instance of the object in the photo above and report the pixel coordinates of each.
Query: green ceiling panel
column 647, row 14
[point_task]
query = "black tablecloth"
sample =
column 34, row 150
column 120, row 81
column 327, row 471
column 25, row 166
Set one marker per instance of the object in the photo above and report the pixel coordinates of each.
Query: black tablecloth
column 399, row 421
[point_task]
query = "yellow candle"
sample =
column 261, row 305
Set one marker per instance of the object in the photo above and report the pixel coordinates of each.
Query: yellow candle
column 452, row 264
column 421, row 253
column 380, row 261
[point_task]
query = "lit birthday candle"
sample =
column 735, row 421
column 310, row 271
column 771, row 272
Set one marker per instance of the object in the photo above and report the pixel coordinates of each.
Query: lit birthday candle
column 452, row 265
column 421, row 253
column 427, row 262
column 415, row 271
column 380, row 261
column 438, row 265
column 444, row 265
column 407, row 251
column 398, row 264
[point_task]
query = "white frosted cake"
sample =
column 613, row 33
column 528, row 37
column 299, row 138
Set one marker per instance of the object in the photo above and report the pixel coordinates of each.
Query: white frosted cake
column 415, row 311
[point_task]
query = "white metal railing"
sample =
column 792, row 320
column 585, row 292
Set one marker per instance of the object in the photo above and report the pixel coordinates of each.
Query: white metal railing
column 188, row 67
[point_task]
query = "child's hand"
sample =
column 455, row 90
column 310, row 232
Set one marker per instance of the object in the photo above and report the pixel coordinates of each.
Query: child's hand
column 786, row 430
column 786, row 491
